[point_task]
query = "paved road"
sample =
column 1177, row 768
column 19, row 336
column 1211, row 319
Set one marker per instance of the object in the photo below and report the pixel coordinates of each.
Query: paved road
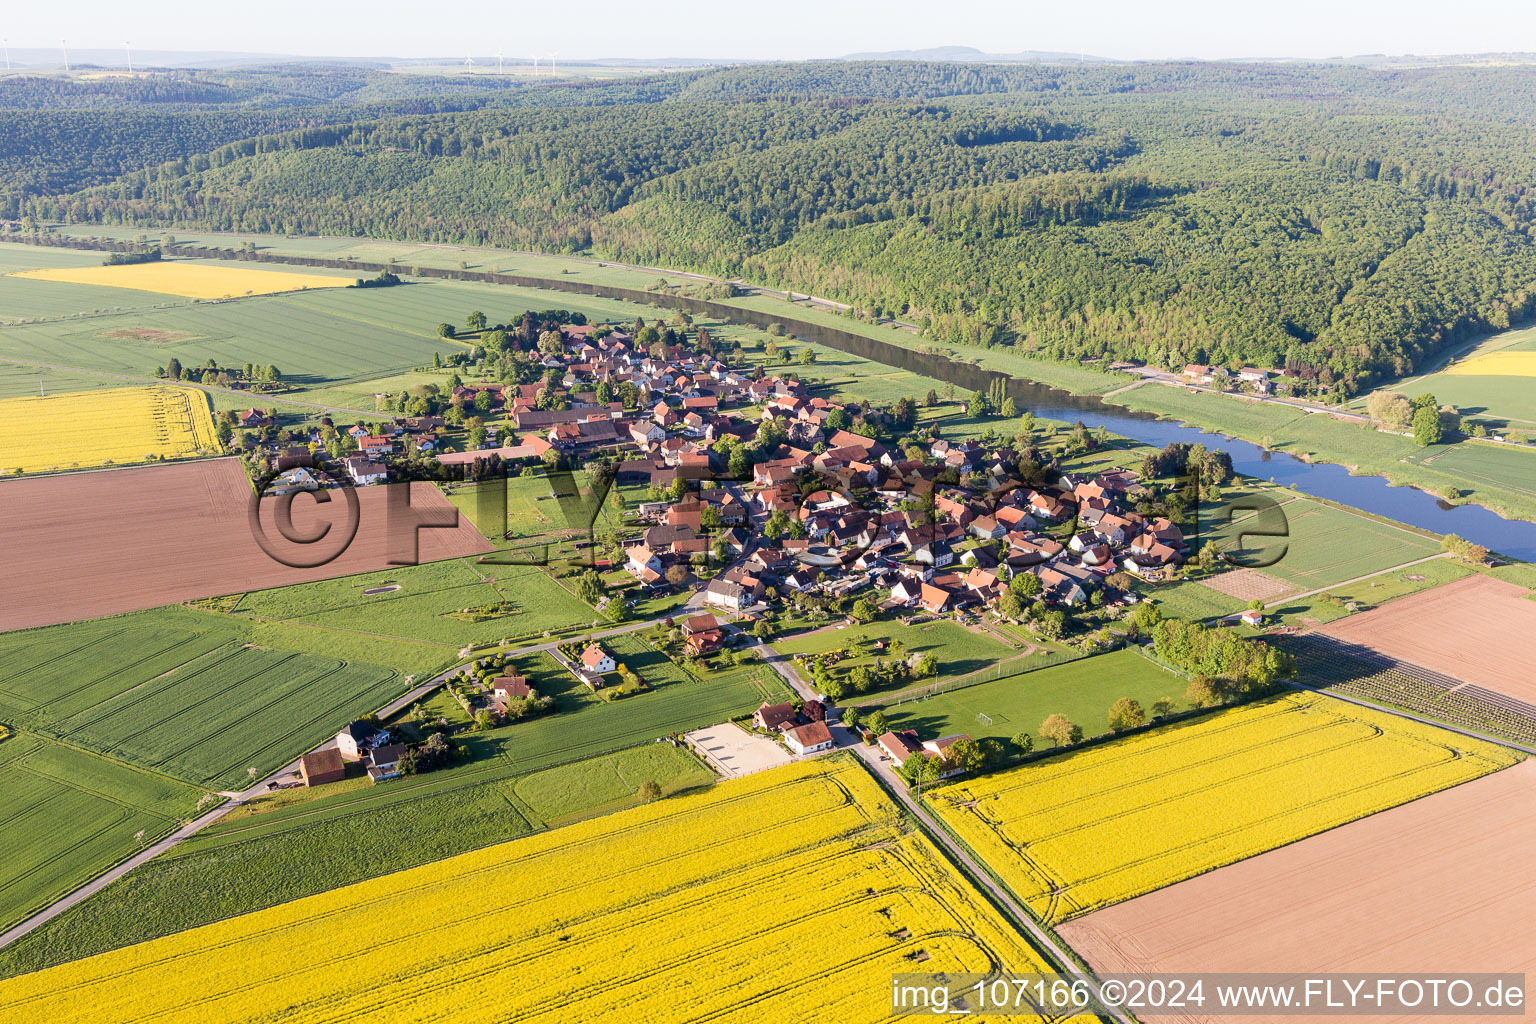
column 1042, row 938
column 256, row 789
column 1357, row 579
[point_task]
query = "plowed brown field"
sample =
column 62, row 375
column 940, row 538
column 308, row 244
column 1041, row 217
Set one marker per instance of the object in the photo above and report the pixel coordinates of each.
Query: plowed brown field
column 91, row 544
column 1443, row 884
column 1478, row 629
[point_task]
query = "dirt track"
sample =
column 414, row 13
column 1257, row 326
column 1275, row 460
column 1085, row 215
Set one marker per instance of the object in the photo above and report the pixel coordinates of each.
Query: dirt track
column 92, row 544
column 1443, row 884
column 1478, row 629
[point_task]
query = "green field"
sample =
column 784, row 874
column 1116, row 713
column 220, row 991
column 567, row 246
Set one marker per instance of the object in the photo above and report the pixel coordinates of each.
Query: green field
column 325, row 338
column 1496, row 477
column 1323, row 544
column 280, row 849
column 532, row 514
column 1485, row 464
column 1495, row 399
column 958, row 650
column 422, row 609
column 1081, row 690
column 1082, row 380
column 181, row 694
column 67, row 815
column 407, row 254
column 1191, row 599
column 611, row 781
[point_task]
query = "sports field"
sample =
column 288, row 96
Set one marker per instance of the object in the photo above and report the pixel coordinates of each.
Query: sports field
column 680, row 925
column 66, row 815
column 103, row 427
column 185, row 697
column 1080, row 690
column 189, row 279
column 1084, row 830
column 1440, row 886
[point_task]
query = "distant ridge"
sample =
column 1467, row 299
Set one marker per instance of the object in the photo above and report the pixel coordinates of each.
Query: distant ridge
column 969, row 54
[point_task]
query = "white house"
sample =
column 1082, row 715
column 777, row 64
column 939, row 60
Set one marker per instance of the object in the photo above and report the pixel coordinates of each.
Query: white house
column 725, row 594
column 358, row 737
column 809, row 739
column 366, row 471
column 907, row 591
column 595, row 659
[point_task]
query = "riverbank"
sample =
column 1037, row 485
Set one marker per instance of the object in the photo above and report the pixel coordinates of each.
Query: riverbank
column 1500, row 478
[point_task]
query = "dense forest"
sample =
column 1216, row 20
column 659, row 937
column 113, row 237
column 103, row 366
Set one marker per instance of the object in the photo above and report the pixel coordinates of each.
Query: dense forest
column 1340, row 221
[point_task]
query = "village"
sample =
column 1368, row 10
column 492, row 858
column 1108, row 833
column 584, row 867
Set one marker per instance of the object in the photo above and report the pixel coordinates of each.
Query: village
column 760, row 501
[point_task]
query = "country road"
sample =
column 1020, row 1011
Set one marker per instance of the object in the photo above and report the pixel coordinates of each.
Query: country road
column 1021, row 917
column 1358, row 579
column 258, row 788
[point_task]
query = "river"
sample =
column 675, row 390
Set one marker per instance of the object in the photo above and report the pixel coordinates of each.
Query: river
column 1515, row 538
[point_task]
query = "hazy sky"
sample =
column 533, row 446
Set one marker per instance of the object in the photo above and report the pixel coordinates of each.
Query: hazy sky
column 785, row 29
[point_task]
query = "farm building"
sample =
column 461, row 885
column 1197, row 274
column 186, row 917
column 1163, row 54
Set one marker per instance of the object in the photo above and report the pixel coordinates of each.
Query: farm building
column 321, row 766
column 357, row 738
column 385, row 762
column 808, row 739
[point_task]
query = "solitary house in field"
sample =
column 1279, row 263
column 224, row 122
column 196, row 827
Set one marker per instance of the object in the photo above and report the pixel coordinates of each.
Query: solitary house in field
column 595, row 659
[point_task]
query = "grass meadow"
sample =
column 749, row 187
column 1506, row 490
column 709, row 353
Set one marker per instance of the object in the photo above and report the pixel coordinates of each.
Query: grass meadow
column 1323, row 544
column 957, row 650
column 1324, row 438
column 425, row 607
column 1081, row 690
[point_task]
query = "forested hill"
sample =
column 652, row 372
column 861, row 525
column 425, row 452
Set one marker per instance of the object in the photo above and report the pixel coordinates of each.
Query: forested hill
column 1343, row 221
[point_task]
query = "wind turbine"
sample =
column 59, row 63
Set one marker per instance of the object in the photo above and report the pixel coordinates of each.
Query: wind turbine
column 498, row 60
column 535, row 59
column 552, row 55
column 469, row 62
column 129, row 47
column 65, row 49
column 7, row 44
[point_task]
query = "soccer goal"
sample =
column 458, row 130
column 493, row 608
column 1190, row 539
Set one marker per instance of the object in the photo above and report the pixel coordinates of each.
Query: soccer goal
column 982, row 718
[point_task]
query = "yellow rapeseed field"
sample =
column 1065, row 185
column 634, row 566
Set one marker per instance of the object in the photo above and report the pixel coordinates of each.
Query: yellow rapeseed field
column 1496, row 364
column 90, row 428
column 792, row 894
column 189, row 279
column 1077, row 832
